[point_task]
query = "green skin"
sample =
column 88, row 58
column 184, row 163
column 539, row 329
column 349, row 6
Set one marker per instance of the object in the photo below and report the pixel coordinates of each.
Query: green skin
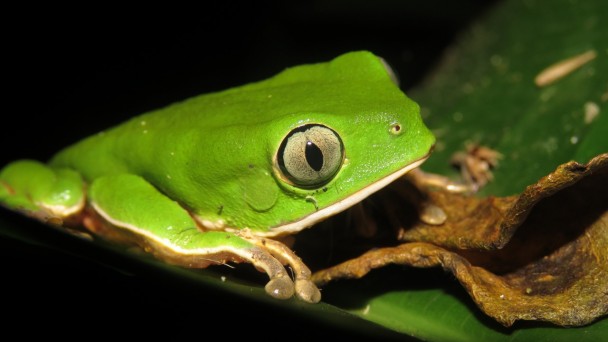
column 199, row 182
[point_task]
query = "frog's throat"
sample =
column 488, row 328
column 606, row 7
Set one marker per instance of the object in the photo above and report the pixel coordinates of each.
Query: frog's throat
column 307, row 221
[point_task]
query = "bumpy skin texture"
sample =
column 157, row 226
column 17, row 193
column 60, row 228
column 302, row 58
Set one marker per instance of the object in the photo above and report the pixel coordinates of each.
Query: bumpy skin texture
column 198, row 181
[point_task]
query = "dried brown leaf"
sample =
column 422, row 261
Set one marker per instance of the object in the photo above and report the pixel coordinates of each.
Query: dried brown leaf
column 542, row 255
column 489, row 223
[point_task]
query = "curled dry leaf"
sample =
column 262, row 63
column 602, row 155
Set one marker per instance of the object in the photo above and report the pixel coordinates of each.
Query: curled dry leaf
column 542, row 255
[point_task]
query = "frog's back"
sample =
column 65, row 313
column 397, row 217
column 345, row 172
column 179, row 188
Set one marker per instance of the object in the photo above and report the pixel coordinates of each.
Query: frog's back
column 342, row 86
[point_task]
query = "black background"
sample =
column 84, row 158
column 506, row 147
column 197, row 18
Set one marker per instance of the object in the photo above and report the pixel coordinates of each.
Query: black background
column 70, row 72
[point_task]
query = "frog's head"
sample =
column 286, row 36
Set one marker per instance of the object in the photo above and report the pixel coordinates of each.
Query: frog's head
column 339, row 140
column 301, row 146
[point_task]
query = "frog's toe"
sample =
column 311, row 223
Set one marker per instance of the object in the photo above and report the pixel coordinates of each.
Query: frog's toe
column 280, row 288
column 432, row 214
column 307, row 291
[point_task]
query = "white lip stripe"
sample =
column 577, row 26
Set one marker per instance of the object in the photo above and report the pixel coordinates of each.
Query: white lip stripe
column 294, row 227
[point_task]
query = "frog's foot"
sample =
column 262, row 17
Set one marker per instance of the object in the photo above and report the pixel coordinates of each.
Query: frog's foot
column 305, row 289
column 47, row 194
column 280, row 285
column 476, row 164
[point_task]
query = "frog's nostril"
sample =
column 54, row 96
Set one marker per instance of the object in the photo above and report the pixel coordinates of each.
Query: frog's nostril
column 395, row 128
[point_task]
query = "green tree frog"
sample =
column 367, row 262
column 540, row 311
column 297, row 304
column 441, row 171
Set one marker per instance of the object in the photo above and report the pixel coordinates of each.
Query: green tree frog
column 219, row 177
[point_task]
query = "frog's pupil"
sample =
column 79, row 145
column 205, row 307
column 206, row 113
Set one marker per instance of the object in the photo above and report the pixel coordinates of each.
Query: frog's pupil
column 314, row 156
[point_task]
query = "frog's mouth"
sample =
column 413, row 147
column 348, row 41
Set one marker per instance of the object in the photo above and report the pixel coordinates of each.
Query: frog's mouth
column 322, row 214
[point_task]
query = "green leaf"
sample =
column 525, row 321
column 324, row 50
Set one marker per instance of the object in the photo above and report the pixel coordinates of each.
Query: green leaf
column 484, row 91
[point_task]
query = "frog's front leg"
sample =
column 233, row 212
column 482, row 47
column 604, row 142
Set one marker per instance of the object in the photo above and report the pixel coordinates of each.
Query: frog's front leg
column 304, row 287
column 161, row 226
column 475, row 165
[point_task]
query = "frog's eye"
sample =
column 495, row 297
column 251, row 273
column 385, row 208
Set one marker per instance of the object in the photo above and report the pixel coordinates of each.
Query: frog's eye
column 391, row 73
column 310, row 155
